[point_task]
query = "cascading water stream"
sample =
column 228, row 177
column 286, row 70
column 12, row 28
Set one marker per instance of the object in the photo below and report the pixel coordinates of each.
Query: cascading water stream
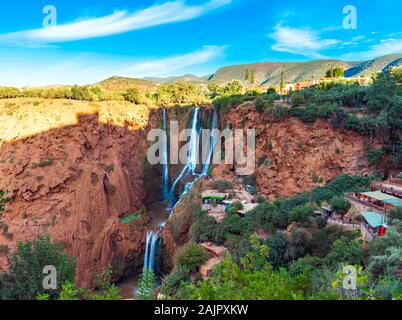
column 212, row 145
column 191, row 165
column 165, row 167
column 149, row 258
column 189, row 169
column 192, row 159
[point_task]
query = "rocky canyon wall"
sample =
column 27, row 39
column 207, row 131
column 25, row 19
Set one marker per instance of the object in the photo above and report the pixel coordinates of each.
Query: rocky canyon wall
column 74, row 182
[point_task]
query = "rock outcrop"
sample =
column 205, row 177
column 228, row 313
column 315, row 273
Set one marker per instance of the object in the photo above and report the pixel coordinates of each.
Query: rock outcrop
column 75, row 183
column 292, row 156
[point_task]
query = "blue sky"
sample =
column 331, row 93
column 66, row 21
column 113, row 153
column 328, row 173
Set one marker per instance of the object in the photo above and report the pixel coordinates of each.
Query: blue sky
column 93, row 40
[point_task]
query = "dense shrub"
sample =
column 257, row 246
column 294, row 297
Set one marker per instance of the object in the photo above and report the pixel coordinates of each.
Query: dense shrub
column 133, row 95
column 297, row 99
column 189, row 257
column 9, row 92
column 23, row 281
column 81, row 93
column 277, row 250
column 364, row 126
column 278, row 112
column 206, row 229
column 340, row 204
column 301, row 213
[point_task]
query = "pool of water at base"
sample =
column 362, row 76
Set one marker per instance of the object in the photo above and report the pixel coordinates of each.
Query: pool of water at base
column 128, row 287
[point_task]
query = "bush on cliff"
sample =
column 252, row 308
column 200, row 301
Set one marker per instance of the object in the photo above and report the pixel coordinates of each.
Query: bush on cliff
column 190, row 256
column 24, row 279
column 341, row 205
column 301, row 213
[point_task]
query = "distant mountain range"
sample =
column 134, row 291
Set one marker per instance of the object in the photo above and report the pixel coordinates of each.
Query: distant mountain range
column 266, row 73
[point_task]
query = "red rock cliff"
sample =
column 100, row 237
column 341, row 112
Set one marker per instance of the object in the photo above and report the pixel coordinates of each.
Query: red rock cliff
column 292, row 156
column 74, row 183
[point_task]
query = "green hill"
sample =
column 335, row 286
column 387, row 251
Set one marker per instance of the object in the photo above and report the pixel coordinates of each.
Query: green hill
column 366, row 68
column 267, row 73
column 186, row 78
column 270, row 73
column 123, row 83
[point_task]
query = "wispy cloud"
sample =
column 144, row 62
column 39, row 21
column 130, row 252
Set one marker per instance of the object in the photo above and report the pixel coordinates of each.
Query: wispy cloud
column 115, row 23
column 300, row 41
column 91, row 69
column 173, row 65
column 384, row 47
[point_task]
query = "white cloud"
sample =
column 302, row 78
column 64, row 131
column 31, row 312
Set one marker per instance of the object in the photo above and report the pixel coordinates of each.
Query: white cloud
column 300, row 41
column 115, row 23
column 173, row 65
column 385, row 47
column 86, row 69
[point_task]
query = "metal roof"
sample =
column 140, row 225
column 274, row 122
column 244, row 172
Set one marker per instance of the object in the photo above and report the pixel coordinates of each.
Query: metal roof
column 381, row 196
column 394, row 202
column 214, row 195
column 374, row 219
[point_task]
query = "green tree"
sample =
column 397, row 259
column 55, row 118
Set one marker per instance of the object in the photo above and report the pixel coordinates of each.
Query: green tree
column 133, row 95
column 345, row 251
column 253, row 278
column 282, row 83
column 190, row 256
column 277, row 250
column 381, row 92
column 81, row 93
column 397, row 74
column 340, row 204
column 107, row 290
column 336, row 72
column 24, row 279
column 234, row 87
column 297, row 99
column 147, row 285
column 214, row 89
column 252, row 79
column 386, row 251
column 301, row 213
column 247, row 75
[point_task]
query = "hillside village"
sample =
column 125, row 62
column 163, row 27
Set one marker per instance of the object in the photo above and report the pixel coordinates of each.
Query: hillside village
column 367, row 211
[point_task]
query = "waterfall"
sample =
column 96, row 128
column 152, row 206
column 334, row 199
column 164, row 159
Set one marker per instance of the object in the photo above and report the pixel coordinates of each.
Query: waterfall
column 192, row 158
column 194, row 144
column 212, row 144
column 149, row 258
column 165, row 167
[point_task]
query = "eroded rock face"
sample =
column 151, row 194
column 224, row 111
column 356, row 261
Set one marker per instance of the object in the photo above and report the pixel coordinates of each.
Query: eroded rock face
column 74, row 183
column 292, row 156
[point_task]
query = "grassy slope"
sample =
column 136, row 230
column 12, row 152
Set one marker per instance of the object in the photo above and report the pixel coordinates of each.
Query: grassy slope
column 123, row 83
